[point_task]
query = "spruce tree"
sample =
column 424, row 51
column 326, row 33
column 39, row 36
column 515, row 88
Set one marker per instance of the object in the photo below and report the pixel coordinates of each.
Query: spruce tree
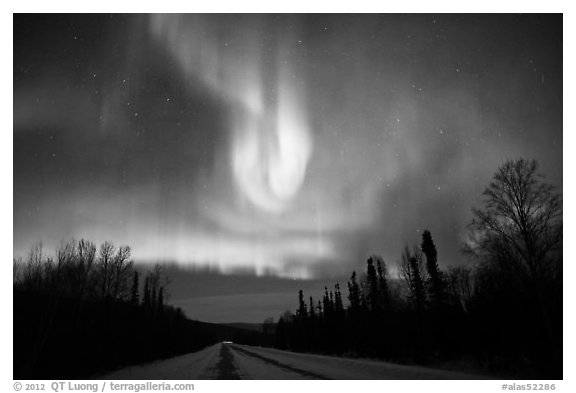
column 301, row 313
column 383, row 288
column 312, row 313
column 435, row 282
column 326, row 304
column 338, row 306
column 417, row 284
column 412, row 272
column 373, row 295
column 354, row 294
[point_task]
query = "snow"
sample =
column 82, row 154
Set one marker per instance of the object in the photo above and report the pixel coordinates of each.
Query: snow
column 344, row 368
column 224, row 360
column 194, row 365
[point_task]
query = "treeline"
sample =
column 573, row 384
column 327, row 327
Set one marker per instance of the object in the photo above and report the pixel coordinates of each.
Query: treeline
column 500, row 314
column 85, row 312
column 430, row 317
column 410, row 321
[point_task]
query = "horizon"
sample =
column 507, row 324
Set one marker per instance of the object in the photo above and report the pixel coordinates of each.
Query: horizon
column 286, row 145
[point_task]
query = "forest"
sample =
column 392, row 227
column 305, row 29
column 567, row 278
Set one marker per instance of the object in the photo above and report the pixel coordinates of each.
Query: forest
column 500, row 314
column 85, row 313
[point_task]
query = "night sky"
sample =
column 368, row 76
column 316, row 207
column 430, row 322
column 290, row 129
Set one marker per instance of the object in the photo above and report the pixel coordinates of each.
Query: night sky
column 292, row 145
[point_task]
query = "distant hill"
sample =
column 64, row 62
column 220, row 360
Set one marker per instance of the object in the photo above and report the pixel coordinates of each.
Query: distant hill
column 256, row 327
column 245, row 333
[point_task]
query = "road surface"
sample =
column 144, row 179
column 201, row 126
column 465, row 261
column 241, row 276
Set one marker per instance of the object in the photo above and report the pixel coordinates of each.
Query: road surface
column 234, row 361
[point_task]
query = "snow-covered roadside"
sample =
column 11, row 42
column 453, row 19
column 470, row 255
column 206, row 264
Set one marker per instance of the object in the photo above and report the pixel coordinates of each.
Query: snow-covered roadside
column 196, row 365
column 344, row 368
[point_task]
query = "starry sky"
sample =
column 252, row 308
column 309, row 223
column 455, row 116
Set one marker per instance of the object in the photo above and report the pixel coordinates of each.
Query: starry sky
column 285, row 145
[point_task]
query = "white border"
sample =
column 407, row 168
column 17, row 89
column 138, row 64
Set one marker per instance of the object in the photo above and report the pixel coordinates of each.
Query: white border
column 356, row 6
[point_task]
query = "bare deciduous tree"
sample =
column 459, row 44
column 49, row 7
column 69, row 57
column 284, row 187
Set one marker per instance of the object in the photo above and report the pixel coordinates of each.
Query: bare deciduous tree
column 86, row 255
column 121, row 273
column 105, row 268
column 519, row 231
column 520, row 225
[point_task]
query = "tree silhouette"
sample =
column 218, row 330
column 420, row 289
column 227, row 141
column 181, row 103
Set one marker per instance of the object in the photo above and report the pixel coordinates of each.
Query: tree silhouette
column 105, row 268
column 301, row 313
column 372, row 295
column 281, row 334
column 517, row 236
column 121, row 271
column 338, row 305
column 354, row 294
column 436, row 280
column 383, row 288
column 154, row 284
column 33, row 268
column 327, row 304
column 520, row 224
column 434, row 318
column 134, row 294
column 413, row 273
column 312, row 313
column 86, row 253
column 161, row 301
column 147, row 299
column 78, row 315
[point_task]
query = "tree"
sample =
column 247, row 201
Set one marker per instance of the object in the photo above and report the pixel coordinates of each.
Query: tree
column 134, row 295
column 413, row 272
column 372, row 295
column 517, row 234
column 161, row 300
column 105, row 268
column 280, row 339
column 147, row 300
column 17, row 273
column 354, row 294
column 156, row 282
column 86, row 255
column 121, row 272
column 338, row 305
column 520, row 224
column 383, row 288
column 436, row 280
column 312, row 313
column 327, row 304
column 33, row 268
column 301, row 313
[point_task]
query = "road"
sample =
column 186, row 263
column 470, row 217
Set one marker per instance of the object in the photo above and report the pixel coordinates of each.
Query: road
column 234, row 361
